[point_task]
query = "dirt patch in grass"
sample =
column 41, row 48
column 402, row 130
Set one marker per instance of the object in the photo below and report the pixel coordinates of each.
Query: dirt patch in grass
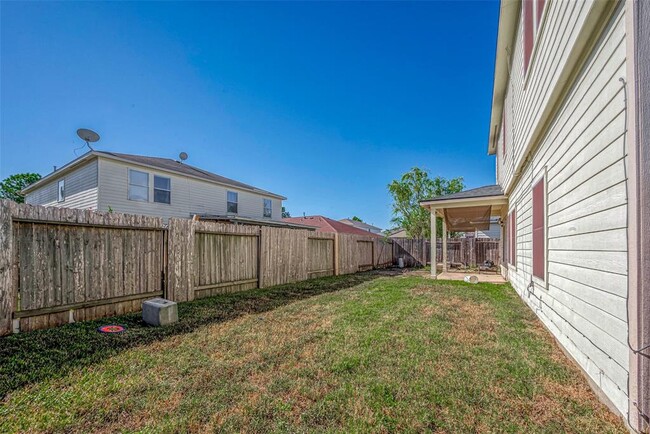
column 472, row 323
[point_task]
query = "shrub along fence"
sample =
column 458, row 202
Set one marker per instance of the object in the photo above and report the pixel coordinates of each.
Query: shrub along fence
column 61, row 265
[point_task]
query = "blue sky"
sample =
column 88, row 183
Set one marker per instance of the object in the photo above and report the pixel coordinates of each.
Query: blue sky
column 324, row 103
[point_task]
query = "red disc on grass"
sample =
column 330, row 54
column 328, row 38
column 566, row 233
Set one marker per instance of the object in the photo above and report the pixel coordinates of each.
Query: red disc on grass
column 111, row 328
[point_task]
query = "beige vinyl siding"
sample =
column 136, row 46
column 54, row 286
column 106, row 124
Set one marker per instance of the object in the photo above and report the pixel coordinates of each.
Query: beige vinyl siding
column 582, row 301
column 80, row 189
column 558, row 32
column 188, row 195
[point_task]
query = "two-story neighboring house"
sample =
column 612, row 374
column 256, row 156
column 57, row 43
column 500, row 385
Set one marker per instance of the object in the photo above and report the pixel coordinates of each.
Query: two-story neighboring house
column 570, row 127
column 161, row 187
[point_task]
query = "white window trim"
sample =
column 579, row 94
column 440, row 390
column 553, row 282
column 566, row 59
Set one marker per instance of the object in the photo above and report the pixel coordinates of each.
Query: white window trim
column 162, row 189
column 264, row 208
column 228, row 201
column 60, row 185
column 128, row 185
column 513, row 233
column 539, row 283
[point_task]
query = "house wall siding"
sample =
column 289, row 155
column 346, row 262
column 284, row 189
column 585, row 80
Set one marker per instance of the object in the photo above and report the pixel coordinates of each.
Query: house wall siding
column 582, row 300
column 80, row 189
column 188, row 196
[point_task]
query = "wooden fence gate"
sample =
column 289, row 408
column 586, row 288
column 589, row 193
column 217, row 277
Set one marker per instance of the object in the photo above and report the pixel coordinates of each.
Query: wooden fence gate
column 321, row 258
column 366, row 254
column 225, row 262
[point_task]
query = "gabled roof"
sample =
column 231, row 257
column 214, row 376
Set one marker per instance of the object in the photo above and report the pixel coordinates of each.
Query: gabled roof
column 359, row 224
column 485, row 191
column 324, row 224
column 166, row 164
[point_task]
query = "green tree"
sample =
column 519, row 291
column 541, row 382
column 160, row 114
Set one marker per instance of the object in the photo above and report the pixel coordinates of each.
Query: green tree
column 285, row 213
column 11, row 187
column 357, row 219
column 407, row 192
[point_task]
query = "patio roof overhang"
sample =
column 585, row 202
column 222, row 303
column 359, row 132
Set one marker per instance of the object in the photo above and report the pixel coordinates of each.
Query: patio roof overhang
column 462, row 212
column 487, row 196
column 498, row 204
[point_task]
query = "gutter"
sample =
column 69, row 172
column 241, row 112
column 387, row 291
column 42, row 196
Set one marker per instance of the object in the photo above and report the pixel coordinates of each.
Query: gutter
column 594, row 24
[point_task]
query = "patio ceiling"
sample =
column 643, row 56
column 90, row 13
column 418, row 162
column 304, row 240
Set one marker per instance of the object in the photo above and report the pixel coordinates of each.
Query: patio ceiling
column 488, row 196
column 463, row 212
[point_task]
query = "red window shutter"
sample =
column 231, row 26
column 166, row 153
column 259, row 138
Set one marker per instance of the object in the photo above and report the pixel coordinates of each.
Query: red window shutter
column 506, row 241
column 539, row 251
column 540, row 9
column 529, row 33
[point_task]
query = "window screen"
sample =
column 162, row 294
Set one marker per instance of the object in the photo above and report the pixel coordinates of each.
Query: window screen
column 232, row 202
column 61, row 190
column 268, row 211
column 162, row 188
column 138, row 185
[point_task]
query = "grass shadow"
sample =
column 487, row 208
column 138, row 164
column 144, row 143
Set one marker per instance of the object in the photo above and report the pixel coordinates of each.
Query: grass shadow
column 34, row 356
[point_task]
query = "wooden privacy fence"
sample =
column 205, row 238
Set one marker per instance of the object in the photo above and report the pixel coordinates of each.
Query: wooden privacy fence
column 60, row 265
column 470, row 252
column 414, row 252
column 466, row 251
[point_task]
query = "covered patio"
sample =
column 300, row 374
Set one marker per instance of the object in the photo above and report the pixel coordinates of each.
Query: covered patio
column 467, row 211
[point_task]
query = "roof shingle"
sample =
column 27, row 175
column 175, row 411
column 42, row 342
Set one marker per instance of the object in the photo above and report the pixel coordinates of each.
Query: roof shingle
column 177, row 166
column 487, row 190
column 324, row 224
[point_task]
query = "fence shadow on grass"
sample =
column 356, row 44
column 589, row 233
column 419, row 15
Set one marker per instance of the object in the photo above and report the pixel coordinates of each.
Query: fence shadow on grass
column 34, row 356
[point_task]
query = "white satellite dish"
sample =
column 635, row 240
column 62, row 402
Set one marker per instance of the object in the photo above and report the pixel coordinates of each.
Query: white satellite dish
column 88, row 136
column 183, row 156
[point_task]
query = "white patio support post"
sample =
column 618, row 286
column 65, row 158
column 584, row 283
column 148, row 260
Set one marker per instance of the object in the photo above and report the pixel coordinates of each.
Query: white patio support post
column 444, row 242
column 434, row 243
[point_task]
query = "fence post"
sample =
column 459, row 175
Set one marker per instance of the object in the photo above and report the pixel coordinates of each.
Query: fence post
column 180, row 264
column 259, row 257
column 6, row 268
column 337, row 254
column 472, row 252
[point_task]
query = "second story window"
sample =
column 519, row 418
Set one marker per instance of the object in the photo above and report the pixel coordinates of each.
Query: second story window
column 162, row 189
column 138, row 186
column 61, row 190
column 232, row 202
column 268, row 208
column 532, row 16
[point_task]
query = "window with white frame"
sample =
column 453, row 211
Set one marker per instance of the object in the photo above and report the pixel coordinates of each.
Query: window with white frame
column 162, row 189
column 268, row 208
column 61, row 190
column 233, row 199
column 138, row 186
column 532, row 16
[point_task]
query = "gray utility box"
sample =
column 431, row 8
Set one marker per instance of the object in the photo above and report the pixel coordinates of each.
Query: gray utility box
column 159, row 312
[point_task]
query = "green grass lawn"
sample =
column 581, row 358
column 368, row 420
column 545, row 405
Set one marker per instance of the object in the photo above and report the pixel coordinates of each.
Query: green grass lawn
column 360, row 353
